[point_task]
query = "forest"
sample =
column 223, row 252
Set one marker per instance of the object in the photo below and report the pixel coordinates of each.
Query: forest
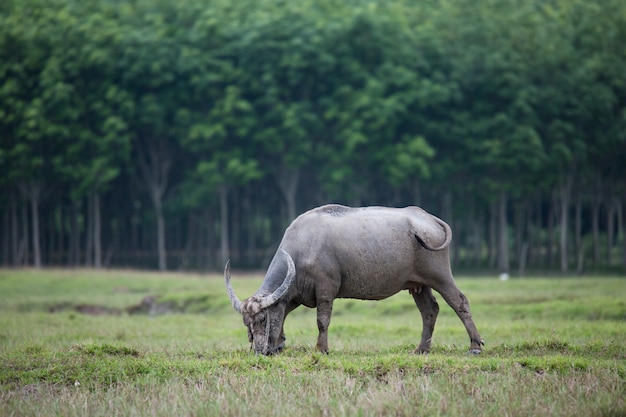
column 173, row 135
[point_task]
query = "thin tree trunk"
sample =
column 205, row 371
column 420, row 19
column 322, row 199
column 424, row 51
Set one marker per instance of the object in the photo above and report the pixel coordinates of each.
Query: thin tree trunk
column 493, row 226
column 565, row 194
column 476, row 240
column 33, row 193
column 521, row 236
column 287, row 179
column 23, row 255
column 15, row 226
column 51, row 235
column 610, row 226
column 154, row 160
column 235, row 228
column 89, row 234
column 623, row 235
column 210, row 248
column 250, row 226
column 550, row 232
column 536, row 250
column 34, row 206
column 595, row 230
column 6, row 227
column 579, row 238
column 224, row 241
column 162, row 255
column 503, row 243
column 74, row 245
column 523, row 259
column 191, row 243
column 620, row 219
column 61, row 236
column 97, row 231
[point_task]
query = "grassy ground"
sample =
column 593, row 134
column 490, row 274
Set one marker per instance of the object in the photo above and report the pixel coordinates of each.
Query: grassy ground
column 553, row 347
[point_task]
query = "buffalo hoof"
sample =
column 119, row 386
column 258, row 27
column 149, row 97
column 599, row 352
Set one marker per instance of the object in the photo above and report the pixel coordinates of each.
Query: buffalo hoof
column 277, row 349
column 475, row 351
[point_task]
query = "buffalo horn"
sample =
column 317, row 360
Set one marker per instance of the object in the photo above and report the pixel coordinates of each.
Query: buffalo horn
column 280, row 291
column 229, row 289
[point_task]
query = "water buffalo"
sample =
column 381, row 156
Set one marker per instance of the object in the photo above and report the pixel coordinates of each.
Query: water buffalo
column 367, row 253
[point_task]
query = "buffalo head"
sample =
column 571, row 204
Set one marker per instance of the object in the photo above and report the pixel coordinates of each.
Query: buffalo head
column 263, row 314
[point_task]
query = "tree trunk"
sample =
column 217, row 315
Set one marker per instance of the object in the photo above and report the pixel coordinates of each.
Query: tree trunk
column 550, row 232
column 595, row 230
column 22, row 257
column 34, row 207
column 74, row 245
column 191, row 242
column 162, row 255
column 493, row 226
column 15, row 226
column 97, row 231
column 287, row 179
column 620, row 220
column 623, row 232
column 580, row 253
column 521, row 236
column 235, row 229
column 154, row 160
column 503, row 243
column 210, row 247
column 610, row 226
column 523, row 259
column 60, row 243
column 32, row 192
column 50, row 248
column 477, row 243
column 6, row 227
column 251, row 230
column 533, row 223
column 89, row 234
column 565, row 196
column 224, row 242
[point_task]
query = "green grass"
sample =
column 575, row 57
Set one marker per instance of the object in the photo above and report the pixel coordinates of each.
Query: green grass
column 553, row 347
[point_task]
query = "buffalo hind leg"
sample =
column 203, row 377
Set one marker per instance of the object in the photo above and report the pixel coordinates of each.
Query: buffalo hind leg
column 324, row 310
column 429, row 309
column 459, row 303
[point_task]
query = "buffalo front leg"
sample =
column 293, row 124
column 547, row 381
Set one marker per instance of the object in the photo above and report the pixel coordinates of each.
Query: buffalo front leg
column 280, row 343
column 324, row 310
column 459, row 303
column 429, row 309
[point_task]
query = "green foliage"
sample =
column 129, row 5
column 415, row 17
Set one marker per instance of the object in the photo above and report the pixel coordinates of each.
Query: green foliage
column 358, row 102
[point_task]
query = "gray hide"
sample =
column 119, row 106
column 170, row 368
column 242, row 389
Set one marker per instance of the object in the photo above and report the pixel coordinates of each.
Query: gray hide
column 367, row 253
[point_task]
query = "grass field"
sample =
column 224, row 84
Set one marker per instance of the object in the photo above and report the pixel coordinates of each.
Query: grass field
column 69, row 346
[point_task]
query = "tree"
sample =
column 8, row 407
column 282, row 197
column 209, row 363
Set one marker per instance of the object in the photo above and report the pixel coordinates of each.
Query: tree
column 31, row 141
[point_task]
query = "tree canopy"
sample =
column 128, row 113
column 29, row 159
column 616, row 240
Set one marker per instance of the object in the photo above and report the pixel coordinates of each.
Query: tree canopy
column 178, row 134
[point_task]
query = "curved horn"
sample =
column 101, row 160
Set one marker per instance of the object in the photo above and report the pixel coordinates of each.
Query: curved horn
column 280, row 291
column 229, row 289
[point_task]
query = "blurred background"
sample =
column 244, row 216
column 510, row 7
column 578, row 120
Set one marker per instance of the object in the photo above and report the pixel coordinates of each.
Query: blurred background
column 173, row 135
